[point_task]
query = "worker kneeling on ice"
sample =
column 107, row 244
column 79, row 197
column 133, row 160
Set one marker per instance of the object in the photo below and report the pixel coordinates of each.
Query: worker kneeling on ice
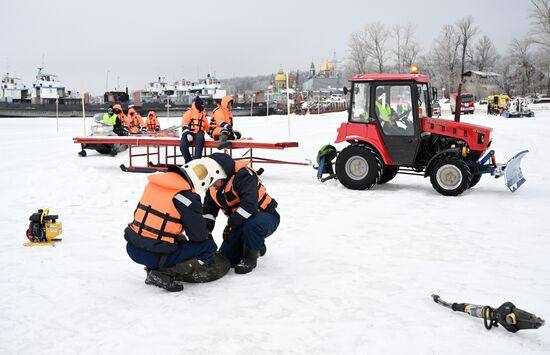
column 250, row 210
column 169, row 206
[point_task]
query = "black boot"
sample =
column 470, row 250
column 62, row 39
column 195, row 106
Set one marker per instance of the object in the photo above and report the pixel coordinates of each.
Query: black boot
column 248, row 262
column 196, row 271
column 163, row 280
column 224, row 143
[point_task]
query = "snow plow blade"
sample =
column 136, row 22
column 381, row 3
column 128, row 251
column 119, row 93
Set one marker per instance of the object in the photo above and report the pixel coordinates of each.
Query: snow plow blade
column 512, row 172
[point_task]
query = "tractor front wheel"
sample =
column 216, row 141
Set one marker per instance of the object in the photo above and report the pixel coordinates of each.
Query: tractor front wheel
column 450, row 176
column 358, row 167
column 475, row 180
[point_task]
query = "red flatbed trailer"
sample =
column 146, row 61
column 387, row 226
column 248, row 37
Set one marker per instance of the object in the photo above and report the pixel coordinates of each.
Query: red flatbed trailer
column 155, row 146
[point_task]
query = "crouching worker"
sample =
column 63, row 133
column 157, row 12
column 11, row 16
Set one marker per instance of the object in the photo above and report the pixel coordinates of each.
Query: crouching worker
column 221, row 124
column 193, row 126
column 250, row 210
column 169, row 206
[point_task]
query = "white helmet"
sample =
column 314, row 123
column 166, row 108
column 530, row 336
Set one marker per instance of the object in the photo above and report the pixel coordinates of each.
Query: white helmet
column 204, row 172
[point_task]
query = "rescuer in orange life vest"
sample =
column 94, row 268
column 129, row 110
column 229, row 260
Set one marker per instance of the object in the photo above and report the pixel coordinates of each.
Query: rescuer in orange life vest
column 194, row 124
column 169, row 207
column 117, row 109
column 152, row 122
column 135, row 122
column 221, row 124
column 250, row 210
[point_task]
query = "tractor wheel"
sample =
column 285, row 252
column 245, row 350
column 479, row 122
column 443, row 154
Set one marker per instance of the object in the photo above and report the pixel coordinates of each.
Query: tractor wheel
column 358, row 167
column 475, row 180
column 388, row 174
column 450, row 176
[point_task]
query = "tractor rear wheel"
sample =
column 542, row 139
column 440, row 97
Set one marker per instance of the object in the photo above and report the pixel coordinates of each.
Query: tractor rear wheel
column 388, row 174
column 358, row 167
column 450, row 176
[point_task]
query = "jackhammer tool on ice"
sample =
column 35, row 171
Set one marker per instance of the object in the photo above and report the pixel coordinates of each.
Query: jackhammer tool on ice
column 507, row 315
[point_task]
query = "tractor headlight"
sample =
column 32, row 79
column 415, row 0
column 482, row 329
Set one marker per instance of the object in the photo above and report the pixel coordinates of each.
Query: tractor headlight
column 480, row 138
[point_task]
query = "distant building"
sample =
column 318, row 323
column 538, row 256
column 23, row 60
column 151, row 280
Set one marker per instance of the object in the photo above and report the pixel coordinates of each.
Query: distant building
column 481, row 84
column 328, row 79
column 279, row 81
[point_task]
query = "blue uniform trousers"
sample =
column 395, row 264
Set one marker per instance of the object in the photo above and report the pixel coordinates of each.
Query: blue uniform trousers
column 252, row 232
column 185, row 144
column 186, row 250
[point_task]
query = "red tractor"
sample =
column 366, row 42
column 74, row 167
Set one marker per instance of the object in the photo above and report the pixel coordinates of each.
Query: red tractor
column 389, row 131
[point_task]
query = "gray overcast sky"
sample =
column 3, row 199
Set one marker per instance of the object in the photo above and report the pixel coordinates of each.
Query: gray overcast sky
column 137, row 41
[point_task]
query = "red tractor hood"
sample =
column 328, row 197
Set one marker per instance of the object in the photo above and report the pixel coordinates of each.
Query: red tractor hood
column 477, row 137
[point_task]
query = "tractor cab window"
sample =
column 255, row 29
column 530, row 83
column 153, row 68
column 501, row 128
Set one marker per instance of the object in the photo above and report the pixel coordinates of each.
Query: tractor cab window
column 394, row 110
column 360, row 108
column 423, row 100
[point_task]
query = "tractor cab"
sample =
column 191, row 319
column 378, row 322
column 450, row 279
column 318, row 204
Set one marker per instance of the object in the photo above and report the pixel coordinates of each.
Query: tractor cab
column 390, row 107
column 390, row 131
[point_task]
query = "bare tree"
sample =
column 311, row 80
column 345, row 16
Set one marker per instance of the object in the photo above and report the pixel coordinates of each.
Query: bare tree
column 411, row 48
column 376, row 36
column 358, row 60
column 407, row 49
column 540, row 15
column 484, row 54
column 504, row 81
column 445, row 57
column 522, row 58
column 398, row 51
column 466, row 30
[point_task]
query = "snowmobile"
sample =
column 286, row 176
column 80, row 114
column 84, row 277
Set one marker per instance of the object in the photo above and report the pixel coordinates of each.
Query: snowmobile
column 99, row 128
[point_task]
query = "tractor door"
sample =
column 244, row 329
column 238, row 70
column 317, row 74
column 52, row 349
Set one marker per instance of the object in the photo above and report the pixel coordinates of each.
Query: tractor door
column 396, row 111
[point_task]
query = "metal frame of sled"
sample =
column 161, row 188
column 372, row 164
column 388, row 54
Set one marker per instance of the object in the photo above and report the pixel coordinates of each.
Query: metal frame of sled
column 166, row 150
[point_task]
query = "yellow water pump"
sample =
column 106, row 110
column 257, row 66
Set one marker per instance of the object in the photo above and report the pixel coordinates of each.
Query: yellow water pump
column 43, row 227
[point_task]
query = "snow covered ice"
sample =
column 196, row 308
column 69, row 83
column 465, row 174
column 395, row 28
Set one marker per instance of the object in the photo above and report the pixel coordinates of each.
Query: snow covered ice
column 347, row 272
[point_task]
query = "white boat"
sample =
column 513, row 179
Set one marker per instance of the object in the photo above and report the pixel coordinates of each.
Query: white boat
column 11, row 90
column 182, row 92
column 46, row 89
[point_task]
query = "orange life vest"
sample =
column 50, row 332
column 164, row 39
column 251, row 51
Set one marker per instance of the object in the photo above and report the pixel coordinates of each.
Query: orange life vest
column 156, row 217
column 152, row 121
column 121, row 116
column 231, row 197
column 134, row 121
column 222, row 114
column 195, row 120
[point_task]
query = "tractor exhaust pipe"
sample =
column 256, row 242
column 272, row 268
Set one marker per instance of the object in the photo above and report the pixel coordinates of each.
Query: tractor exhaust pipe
column 458, row 105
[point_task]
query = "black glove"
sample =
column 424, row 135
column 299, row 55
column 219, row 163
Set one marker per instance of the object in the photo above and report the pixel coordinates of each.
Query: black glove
column 235, row 220
column 210, row 224
column 157, row 128
column 226, row 232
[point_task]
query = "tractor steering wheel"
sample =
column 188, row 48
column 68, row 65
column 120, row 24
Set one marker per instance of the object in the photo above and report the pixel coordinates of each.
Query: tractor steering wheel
column 403, row 116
